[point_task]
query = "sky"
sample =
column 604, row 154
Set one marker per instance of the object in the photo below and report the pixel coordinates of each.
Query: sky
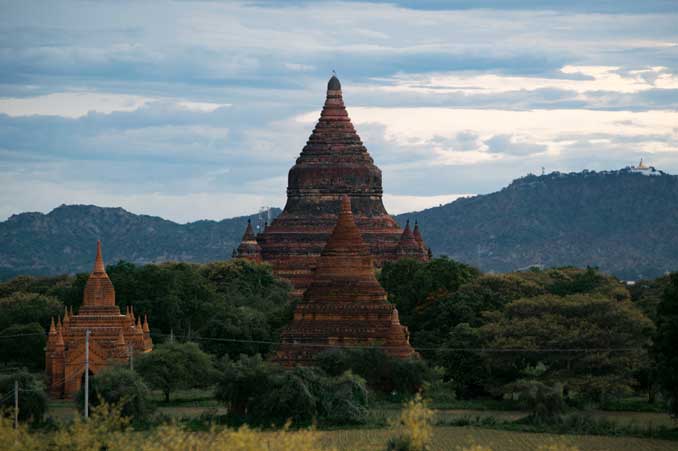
column 196, row 110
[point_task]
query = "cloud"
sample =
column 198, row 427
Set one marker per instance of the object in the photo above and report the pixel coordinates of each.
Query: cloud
column 168, row 108
column 507, row 144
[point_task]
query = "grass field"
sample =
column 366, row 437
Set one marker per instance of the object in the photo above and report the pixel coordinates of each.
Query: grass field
column 191, row 404
column 454, row 438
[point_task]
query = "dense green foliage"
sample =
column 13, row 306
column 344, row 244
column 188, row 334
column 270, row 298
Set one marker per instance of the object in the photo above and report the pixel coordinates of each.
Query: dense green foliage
column 25, row 308
column 478, row 332
column 32, row 395
column 263, row 393
column 564, row 308
column 666, row 344
column 215, row 304
column 23, row 345
column 173, row 366
column 121, row 387
column 412, row 285
column 615, row 332
column 382, row 372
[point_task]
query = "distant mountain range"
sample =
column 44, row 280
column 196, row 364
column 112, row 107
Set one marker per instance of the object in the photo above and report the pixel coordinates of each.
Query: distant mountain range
column 622, row 221
column 64, row 240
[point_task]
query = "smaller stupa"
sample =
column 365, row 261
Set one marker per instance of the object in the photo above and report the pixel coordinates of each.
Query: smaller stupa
column 344, row 305
column 411, row 244
column 249, row 248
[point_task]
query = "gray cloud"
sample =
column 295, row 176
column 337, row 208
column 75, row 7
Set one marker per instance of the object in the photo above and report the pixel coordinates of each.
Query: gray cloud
column 270, row 62
column 505, row 144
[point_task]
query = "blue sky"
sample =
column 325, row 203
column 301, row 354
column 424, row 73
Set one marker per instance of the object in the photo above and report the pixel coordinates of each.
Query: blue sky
column 192, row 110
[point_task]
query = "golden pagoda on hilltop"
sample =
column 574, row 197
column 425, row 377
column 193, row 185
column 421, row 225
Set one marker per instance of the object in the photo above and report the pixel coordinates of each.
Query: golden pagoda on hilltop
column 113, row 336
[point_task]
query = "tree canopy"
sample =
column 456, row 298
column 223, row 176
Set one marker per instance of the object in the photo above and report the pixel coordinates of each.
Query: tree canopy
column 666, row 344
column 173, row 366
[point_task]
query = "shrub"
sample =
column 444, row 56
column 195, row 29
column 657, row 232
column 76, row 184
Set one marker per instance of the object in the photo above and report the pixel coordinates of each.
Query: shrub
column 24, row 308
column 665, row 349
column 120, row 387
column 173, row 366
column 381, row 371
column 545, row 403
column 32, row 396
column 23, row 345
column 262, row 393
column 417, row 434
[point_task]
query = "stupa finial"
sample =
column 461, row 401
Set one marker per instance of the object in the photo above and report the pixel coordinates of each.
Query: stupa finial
column 99, row 261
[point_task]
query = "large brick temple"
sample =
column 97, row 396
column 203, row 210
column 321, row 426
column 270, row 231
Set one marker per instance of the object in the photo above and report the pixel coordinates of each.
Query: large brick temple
column 333, row 163
column 113, row 336
column 344, row 305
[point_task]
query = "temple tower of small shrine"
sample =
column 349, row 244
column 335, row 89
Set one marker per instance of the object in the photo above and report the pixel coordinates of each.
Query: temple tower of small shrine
column 113, row 336
column 344, row 304
column 249, row 248
column 333, row 163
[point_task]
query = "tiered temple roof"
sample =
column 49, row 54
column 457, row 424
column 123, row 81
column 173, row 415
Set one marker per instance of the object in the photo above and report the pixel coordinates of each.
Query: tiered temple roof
column 344, row 304
column 333, row 163
column 113, row 336
column 249, row 248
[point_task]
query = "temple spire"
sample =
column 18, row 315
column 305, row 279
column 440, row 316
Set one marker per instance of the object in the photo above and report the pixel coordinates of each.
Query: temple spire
column 333, row 84
column 417, row 235
column 249, row 248
column 409, row 246
column 51, row 338
column 121, row 339
column 99, row 261
column 146, row 329
column 249, row 233
column 59, row 339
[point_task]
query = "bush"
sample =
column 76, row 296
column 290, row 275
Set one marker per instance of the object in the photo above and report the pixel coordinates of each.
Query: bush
column 417, row 434
column 263, row 393
column 24, row 308
column 173, row 366
column 545, row 403
column 665, row 350
column 32, row 396
column 381, row 371
column 25, row 348
column 121, row 387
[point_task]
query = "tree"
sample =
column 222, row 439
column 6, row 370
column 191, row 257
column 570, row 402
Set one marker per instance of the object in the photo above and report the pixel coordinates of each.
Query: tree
column 665, row 345
column 175, row 296
column 236, row 323
column 241, row 381
column 23, row 345
column 544, row 402
column 121, row 387
column 32, row 396
column 381, row 371
column 24, row 308
column 174, row 366
column 263, row 393
column 412, row 285
column 609, row 338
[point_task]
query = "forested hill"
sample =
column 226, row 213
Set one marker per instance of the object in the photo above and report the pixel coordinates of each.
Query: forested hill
column 622, row 222
column 64, row 240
